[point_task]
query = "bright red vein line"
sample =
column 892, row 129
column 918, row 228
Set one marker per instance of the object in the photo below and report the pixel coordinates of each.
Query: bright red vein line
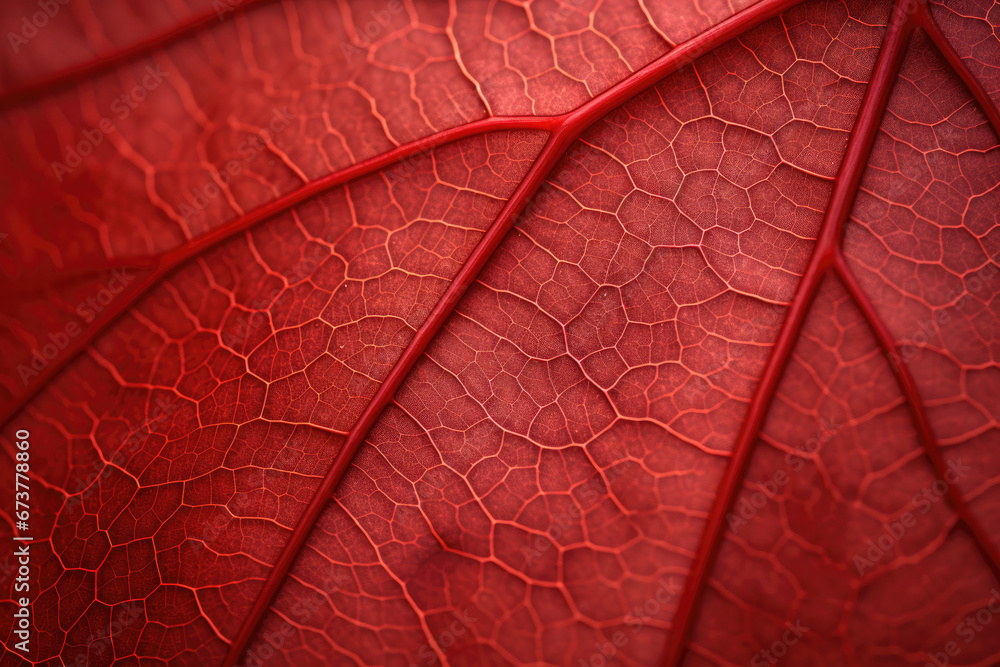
column 164, row 264
column 844, row 190
column 569, row 128
column 199, row 245
column 923, row 18
column 910, row 391
column 926, row 21
column 167, row 262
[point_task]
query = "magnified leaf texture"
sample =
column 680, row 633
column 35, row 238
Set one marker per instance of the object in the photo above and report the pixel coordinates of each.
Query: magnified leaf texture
column 501, row 332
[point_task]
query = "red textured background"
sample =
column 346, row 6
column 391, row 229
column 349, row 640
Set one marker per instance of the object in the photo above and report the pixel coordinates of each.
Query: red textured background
column 594, row 332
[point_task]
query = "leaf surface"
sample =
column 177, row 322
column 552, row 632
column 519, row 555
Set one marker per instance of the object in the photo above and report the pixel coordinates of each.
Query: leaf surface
column 599, row 333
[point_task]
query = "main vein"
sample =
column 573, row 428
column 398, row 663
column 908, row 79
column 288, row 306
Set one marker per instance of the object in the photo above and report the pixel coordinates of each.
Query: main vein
column 828, row 257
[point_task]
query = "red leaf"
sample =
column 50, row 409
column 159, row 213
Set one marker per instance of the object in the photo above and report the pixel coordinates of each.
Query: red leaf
column 588, row 333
